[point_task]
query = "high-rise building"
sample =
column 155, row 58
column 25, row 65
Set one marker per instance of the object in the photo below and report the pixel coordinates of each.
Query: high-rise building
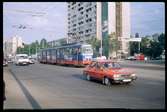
column 11, row 45
column 88, row 20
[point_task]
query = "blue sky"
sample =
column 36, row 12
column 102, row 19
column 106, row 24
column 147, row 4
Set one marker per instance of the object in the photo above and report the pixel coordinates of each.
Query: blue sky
column 49, row 19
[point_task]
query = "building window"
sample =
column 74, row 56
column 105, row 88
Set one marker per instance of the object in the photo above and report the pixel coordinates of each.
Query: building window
column 80, row 22
column 73, row 3
column 74, row 25
column 80, row 8
column 89, row 9
column 74, row 16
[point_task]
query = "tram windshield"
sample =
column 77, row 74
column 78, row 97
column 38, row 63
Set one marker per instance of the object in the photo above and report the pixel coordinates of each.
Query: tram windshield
column 87, row 50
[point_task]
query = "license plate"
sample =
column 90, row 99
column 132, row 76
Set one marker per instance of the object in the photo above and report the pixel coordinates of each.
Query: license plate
column 127, row 80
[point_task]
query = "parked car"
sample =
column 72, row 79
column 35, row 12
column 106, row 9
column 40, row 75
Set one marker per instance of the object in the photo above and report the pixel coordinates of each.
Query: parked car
column 109, row 72
column 5, row 63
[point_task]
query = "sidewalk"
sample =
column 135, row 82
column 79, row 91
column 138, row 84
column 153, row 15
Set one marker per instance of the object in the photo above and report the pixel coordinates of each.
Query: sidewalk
column 15, row 98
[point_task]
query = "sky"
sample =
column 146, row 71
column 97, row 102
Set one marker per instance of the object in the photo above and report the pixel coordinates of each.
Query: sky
column 49, row 19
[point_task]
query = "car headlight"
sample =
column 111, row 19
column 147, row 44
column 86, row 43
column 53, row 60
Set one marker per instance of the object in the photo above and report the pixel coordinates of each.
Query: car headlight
column 133, row 75
column 116, row 75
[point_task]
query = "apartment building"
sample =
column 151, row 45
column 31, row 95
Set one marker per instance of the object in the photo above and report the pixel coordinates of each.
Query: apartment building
column 88, row 20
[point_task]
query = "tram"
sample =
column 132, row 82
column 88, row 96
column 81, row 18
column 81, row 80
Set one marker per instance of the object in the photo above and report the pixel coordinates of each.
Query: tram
column 79, row 54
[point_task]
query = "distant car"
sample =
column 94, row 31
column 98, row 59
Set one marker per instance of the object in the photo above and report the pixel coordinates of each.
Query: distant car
column 5, row 63
column 21, row 59
column 10, row 61
column 131, row 58
column 108, row 72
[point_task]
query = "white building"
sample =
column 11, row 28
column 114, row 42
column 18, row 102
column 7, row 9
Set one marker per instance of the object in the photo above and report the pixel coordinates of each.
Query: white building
column 11, row 45
column 98, row 19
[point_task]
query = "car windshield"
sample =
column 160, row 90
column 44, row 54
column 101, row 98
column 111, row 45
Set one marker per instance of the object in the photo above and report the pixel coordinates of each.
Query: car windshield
column 23, row 57
column 111, row 65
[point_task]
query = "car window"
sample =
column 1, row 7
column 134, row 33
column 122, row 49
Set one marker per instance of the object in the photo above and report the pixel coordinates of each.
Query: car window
column 111, row 65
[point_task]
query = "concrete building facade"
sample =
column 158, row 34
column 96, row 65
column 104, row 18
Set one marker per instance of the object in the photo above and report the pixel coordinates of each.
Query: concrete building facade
column 11, row 45
column 88, row 20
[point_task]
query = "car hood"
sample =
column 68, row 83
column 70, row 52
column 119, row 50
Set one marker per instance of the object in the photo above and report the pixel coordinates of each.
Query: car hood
column 23, row 60
column 121, row 71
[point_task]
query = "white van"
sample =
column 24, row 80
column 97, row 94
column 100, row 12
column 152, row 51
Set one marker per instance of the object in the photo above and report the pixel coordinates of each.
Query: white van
column 21, row 59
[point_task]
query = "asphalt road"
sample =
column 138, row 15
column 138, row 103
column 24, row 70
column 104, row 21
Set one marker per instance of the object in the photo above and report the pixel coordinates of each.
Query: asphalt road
column 52, row 86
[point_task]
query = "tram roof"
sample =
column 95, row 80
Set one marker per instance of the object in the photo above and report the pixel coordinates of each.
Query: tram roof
column 67, row 45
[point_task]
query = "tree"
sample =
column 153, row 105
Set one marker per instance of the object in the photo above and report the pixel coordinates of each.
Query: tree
column 19, row 50
column 43, row 43
column 145, row 46
column 134, row 48
column 155, row 49
column 95, row 45
column 37, row 45
column 161, row 40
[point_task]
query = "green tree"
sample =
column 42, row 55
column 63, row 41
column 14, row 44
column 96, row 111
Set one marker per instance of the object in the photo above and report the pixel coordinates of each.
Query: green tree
column 134, row 48
column 145, row 46
column 95, row 45
column 37, row 45
column 19, row 50
column 155, row 49
column 161, row 40
column 43, row 43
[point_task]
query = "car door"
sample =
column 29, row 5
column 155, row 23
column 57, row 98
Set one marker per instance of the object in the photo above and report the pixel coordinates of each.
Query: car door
column 94, row 71
column 99, row 71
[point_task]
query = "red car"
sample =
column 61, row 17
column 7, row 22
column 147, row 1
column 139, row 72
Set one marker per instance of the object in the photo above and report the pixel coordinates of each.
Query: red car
column 108, row 72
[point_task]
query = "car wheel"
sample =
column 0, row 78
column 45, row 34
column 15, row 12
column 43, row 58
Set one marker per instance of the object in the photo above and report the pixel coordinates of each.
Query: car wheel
column 88, row 77
column 106, row 81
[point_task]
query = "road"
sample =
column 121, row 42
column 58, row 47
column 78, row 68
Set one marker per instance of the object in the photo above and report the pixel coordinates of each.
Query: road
column 41, row 86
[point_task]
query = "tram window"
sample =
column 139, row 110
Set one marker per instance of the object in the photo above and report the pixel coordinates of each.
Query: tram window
column 73, row 51
column 79, row 50
column 70, row 51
